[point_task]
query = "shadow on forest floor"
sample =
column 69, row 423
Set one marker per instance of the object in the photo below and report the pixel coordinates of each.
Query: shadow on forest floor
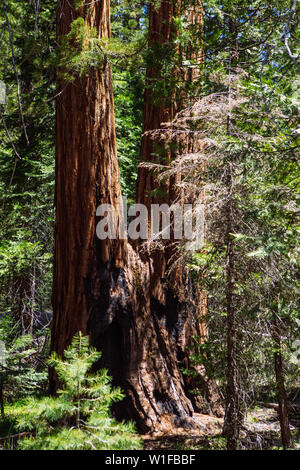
column 261, row 430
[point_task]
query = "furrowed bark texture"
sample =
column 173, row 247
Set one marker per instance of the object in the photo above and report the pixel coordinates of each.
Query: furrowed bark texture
column 87, row 175
column 176, row 303
column 105, row 288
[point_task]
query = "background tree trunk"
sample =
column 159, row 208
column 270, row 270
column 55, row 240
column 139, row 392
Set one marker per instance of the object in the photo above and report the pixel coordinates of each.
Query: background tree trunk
column 232, row 414
column 1, row 400
column 286, row 437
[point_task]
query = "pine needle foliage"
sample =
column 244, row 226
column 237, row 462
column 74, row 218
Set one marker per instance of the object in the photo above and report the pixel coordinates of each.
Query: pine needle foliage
column 18, row 376
column 79, row 417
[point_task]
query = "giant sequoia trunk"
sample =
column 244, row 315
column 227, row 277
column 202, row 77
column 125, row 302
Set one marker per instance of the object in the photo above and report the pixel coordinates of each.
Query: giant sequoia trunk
column 86, row 175
column 176, row 300
column 105, row 288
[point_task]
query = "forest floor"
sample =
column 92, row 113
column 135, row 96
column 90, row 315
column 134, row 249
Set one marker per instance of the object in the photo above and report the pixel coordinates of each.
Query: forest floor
column 261, row 430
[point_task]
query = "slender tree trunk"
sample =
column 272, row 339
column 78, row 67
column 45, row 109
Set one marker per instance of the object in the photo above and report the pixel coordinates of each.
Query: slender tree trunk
column 20, row 305
column 286, row 438
column 233, row 417
column 231, row 422
column 2, row 401
column 32, row 299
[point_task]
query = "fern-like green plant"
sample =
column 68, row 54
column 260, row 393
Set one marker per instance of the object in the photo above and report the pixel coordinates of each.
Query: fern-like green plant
column 79, row 417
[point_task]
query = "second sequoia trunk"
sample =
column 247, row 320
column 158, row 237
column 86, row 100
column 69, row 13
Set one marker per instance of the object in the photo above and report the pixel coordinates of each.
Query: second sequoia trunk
column 104, row 287
column 176, row 303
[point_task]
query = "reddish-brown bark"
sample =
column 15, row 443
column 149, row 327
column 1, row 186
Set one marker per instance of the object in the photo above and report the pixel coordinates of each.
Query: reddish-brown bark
column 174, row 297
column 86, row 176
